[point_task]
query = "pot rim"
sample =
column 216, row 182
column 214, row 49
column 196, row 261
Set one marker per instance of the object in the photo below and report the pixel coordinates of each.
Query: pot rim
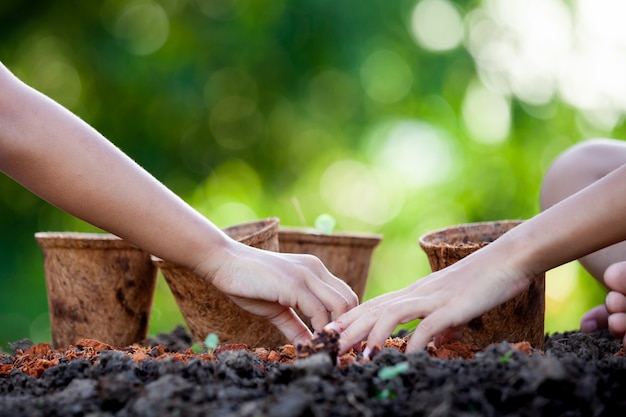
column 81, row 240
column 310, row 235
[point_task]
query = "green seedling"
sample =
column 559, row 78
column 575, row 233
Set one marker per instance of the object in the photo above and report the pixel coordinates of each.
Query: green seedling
column 325, row 223
column 505, row 358
column 197, row 348
column 388, row 373
column 211, row 341
column 209, row 344
column 386, row 394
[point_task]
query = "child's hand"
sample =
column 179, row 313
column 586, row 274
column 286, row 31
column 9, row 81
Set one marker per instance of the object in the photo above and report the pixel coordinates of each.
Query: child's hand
column 269, row 284
column 445, row 301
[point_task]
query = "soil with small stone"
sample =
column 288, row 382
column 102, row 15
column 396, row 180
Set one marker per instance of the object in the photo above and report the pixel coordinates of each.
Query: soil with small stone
column 574, row 375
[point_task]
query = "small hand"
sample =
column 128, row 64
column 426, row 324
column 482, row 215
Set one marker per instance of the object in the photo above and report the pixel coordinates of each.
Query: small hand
column 445, row 301
column 271, row 285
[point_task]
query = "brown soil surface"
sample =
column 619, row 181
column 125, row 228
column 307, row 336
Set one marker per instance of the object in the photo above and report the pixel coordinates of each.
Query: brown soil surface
column 575, row 375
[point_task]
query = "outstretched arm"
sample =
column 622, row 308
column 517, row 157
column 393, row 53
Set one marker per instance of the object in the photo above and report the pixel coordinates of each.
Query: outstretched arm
column 589, row 220
column 62, row 159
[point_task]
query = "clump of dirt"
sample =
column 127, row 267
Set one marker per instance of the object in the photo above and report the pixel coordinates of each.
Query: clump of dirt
column 575, row 375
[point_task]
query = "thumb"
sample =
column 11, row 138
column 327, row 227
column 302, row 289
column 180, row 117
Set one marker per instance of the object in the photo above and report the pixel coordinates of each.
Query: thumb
column 292, row 326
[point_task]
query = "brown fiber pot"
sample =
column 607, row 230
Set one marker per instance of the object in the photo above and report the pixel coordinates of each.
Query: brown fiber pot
column 208, row 310
column 517, row 320
column 99, row 286
column 346, row 255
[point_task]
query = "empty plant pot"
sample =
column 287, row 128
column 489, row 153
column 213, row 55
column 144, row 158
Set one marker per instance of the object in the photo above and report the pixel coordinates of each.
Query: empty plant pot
column 99, row 286
column 208, row 310
column 519, row 319
column 346, row 255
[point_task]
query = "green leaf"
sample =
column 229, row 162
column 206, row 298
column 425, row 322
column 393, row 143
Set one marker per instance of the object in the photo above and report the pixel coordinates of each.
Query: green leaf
column 390, row 372
column 211, row 341
column 505, row 358
column 386, row 393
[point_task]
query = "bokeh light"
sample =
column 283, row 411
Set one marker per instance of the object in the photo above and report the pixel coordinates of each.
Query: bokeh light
column 142, row 25
column 334, row 95
column 44, row 61
column 235, row 122
column 386, row 76
column 415, row 153
column 540, row 49
column 486, row 115
column 356, row 190
column 437, row 25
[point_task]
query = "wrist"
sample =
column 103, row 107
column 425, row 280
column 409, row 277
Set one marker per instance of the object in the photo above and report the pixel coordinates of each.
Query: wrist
column 213, row 256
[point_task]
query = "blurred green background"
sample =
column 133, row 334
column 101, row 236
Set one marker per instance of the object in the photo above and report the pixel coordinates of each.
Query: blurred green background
column 396, row 117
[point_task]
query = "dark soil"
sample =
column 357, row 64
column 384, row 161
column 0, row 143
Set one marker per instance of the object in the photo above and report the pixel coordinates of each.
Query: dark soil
column 575, row 375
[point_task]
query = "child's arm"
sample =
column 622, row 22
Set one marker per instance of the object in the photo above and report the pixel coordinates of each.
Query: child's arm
column 587, row 221
column 66, row 162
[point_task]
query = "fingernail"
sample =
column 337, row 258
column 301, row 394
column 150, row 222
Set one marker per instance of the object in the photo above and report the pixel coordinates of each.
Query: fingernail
column 366, row 352
column 588, row 326
column 331, row 326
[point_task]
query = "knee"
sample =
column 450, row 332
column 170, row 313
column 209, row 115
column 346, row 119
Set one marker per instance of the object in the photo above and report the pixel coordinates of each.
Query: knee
column 579, row 166
column 589, row 157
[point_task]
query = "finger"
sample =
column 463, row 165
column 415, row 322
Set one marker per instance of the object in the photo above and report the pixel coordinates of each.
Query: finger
column 383, row 329
column 377, row 321
column 288, row 322
column 346, row 319
column 324, row 281
column 338, row 283
column 311, row 307
column 427, row 329
column 322, row 302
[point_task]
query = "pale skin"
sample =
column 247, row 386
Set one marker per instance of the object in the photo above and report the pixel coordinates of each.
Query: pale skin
column 59, row 157
column 575, row 169
column 575, row 225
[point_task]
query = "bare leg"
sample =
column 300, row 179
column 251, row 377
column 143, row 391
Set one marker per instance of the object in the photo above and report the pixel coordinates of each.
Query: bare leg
column 575, row 169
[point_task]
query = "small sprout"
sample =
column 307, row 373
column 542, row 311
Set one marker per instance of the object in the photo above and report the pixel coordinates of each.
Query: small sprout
column 325, row 223
column 211, row 341
column 505, row 358
column 390, row 372
column 209, row 344
column 386, row 393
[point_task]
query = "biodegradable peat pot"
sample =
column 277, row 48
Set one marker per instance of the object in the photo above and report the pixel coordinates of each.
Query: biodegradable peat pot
column 517, row 320
column 99, row 286
column 208, row 310
column 346, row 255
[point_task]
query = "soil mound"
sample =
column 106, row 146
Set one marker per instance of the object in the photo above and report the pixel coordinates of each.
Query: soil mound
column 575, row 375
